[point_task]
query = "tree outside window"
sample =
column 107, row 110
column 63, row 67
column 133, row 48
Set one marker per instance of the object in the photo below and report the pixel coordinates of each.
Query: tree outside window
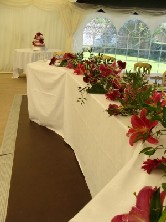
column 134, row 42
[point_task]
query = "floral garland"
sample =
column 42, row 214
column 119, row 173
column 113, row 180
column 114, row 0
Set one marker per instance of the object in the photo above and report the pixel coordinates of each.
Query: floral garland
column 68, row 60
column 147, row 108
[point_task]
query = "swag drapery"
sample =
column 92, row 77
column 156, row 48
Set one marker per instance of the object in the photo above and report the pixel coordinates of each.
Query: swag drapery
column 59, row 21
column 21, row 19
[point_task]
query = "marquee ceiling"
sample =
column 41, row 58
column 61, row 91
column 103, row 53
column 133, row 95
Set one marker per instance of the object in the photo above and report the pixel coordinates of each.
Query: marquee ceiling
column 151, row 4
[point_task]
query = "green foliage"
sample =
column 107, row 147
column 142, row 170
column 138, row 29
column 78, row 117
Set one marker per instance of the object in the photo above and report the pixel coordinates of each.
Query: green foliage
column 155, row 206
column 148, row 151
column 97, row 88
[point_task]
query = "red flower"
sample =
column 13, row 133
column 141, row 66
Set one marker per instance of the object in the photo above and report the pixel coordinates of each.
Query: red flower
column 68, row 55
column 38, row 34
column 113, row 109
column 141, row 212
column 80, row 69
column 150, row 165
column 41, row 41
column 115, row 83
column 104, row 70
column 86, row 79
column 121, row 64
column 163, row 103
column 141, row 129
column 53, row 59
column 113, row 94
column 154, row 98
column 70, row 65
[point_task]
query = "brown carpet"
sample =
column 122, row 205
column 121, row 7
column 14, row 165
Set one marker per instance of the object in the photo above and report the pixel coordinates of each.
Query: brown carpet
column 47, row 184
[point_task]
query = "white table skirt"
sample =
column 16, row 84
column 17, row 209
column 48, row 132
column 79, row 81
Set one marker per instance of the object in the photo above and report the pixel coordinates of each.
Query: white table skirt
column 45, row 92
column 112, row 168
column 24, row 56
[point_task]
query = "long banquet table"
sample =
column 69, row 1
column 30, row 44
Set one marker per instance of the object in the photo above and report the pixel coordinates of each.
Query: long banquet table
column 112, row 168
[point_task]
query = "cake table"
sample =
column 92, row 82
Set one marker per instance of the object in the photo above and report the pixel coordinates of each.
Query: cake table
column 24, row 56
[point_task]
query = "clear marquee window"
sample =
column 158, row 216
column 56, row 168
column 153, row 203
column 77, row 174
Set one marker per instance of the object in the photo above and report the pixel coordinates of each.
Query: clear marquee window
column 132, row 43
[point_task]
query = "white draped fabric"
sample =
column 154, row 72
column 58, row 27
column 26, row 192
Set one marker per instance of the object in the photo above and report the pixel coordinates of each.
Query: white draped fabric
column 18, row 27
column 49, row 5
column 59, row 21
column 52, row 102
column 20, row 20
column 112, row 168
column 24, row 56
column 118, row 16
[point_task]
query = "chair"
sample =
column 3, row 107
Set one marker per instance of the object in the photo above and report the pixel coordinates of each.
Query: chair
column 164, row 78
column 144, row 67
column 58, row 55
column 110, row 58
column 105, row 57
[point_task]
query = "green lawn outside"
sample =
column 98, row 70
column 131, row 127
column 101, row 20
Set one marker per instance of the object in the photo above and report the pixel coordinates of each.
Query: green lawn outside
column 157, row 68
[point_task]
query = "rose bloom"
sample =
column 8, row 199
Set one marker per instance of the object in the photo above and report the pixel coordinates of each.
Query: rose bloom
column 121, row 64
column 86, row 78
column 113, row 109
column 150, row 164
column 141, row 128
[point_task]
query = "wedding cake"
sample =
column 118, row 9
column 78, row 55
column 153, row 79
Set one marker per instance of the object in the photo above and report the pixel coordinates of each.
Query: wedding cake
column 38, row 42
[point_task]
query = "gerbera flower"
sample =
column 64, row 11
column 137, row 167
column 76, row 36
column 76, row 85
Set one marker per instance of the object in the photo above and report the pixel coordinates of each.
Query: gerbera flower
column 150, row 164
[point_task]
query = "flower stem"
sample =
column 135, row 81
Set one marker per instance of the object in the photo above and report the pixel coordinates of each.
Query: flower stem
column 163, row 216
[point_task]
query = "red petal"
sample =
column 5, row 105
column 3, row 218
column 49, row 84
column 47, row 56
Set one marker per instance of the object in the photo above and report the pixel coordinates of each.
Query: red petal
column 120, row 218
column 143, row 198
column 152, row 140
column 137, row 122
column 137, row 215
column 153, row 124
column 133, row 139
column 130, row 131
column 162, row 196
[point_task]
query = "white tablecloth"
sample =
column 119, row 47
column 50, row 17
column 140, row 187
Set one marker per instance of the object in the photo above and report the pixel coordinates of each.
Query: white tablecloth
column 45, row 90
column 112, row 168
column 24, row 56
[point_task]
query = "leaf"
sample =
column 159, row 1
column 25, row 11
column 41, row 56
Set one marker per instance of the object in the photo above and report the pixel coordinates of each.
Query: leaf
column 164, row 117
column 163, row 216
column 148, row 151
column 155, row 206
column 164, row 186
